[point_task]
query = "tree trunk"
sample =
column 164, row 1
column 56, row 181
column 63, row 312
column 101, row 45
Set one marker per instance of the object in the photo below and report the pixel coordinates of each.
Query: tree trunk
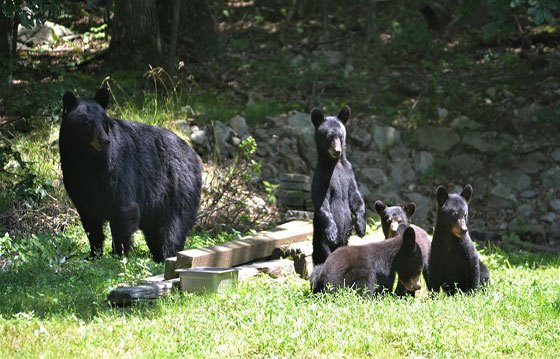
column 172, row 66
column 7, row 52
column 136, row 40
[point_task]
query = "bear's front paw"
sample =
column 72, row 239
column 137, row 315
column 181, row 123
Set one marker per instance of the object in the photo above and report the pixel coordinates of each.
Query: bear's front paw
column 361, row 226
column 331, row 234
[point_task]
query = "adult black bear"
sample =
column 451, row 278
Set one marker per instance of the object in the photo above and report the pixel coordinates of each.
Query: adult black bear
column 338, row 203
column 454, row 261
column 395, row 219
column 130, row 174
column 371, row 267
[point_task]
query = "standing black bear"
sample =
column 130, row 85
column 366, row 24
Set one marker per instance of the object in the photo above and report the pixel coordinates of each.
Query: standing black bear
column 454, row 261
column 130, row 174
column 337, row 201
column 371, row 267
column 393, row 221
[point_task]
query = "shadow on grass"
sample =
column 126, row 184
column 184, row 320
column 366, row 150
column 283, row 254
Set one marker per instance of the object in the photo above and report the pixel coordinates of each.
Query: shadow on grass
column 519, row 257
column 76, row 287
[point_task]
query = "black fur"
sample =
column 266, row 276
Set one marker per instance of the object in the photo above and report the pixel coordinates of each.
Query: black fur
column 338, row 203
column 371, row 267
column 397, row 217
column 130, row 174
column 454, row 261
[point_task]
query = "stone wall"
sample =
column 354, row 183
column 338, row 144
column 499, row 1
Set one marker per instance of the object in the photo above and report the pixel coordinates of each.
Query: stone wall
column 515, row 175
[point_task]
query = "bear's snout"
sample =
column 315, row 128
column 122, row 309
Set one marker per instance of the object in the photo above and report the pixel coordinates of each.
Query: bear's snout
column 336, row 148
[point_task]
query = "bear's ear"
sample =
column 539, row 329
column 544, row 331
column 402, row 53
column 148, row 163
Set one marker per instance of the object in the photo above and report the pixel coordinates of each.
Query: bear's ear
column 442, row 195
column 409, row 240
column 380, row 207
column 102, row 97
column 344, row 114
column 467, row 193
column 317, row 117
column 68, row 102
column 409, row 209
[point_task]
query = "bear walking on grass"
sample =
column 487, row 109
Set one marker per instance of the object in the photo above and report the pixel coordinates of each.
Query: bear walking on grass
column 130, row 174
column 371, row 268
column 454, row 261
column 395, row 219
column 338, row 204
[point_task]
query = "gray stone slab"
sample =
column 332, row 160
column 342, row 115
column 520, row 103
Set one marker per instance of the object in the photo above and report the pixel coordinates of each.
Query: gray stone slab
column 128, row 295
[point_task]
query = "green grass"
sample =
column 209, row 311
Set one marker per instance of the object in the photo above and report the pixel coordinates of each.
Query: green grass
column 61, row 311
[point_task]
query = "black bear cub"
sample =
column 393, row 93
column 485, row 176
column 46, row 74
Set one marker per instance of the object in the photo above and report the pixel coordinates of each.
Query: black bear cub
column 338, row 203
column 454, row 261
column 396, row 218
column 392, row 217
column 130, row 174
column 371, row 268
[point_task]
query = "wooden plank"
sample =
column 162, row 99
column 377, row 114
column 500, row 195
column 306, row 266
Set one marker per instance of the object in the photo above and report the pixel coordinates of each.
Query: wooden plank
column 246, row 249
column 170, row 266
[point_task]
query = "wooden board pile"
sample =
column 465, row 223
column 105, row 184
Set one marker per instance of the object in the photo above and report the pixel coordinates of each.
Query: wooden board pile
column 249, row 255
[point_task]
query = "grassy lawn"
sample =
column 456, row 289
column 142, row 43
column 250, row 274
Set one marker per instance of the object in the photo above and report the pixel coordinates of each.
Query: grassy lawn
column 60, row 310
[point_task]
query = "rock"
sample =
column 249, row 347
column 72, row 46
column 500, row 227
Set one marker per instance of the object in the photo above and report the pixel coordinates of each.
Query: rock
column 556, row 155
column 402, row 172
column 46, row 33
column 348, row 69
column 184, row 127
column 388, row 193
column 553, row 232
column 333, row 57
column 477, row 140
column 297, row 60
column 300, row 123
column 384, row 136
column 465, row 164
column 555, row 205
column 464, row 123
column 360, row 136
column 199, row 137
column 529, row 194
column 239, row 125
column 442, row 112
column 306, row 147
column 551, row 178
column 503, row 191
column 528, row 166
column 437, row 138
column 424, row 161
column 525, row 211
column 374, row 176
column 359, row 158
column 423, row 206
column 550, row 217
column 398, row 153
column 515, row 179
column 224, row 136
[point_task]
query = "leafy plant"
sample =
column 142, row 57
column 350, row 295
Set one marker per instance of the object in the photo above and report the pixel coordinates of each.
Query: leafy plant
column 228, row 199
